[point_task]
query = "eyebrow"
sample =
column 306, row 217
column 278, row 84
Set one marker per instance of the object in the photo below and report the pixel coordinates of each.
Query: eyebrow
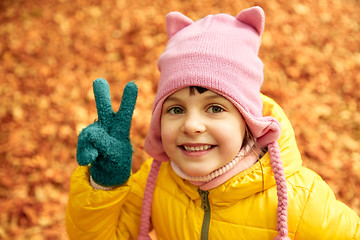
column 212, row 96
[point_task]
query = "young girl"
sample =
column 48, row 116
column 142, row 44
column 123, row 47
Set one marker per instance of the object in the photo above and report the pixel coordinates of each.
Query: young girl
column 225, row 164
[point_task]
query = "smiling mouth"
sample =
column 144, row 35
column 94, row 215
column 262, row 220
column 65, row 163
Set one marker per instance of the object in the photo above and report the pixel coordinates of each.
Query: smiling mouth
column 196, row 148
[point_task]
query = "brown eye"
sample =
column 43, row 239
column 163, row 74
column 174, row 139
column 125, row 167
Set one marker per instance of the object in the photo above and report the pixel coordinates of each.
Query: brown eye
column 215, row 109
column 176, row 110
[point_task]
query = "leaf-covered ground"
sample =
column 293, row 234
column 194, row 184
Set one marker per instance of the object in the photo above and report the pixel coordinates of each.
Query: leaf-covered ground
column 50, row 52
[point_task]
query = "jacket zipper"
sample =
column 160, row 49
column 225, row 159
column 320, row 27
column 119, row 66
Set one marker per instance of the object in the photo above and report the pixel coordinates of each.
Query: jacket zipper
column 205, row 205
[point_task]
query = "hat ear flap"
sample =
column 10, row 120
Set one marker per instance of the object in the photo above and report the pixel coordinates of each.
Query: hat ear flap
column 175, row 21
column 254, row 17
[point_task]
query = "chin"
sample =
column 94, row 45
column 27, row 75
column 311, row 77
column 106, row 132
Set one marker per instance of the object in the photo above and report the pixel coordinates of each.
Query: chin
column 196, row 172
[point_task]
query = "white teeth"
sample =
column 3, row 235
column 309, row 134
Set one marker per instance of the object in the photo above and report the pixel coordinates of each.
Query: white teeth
column 197, row 148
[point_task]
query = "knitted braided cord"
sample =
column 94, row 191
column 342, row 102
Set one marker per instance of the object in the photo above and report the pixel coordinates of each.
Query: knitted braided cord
column 281, row 188
column 147, row 201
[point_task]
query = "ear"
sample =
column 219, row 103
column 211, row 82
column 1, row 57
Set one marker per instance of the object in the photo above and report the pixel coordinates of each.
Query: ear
column 176, row 21
column 254, row 17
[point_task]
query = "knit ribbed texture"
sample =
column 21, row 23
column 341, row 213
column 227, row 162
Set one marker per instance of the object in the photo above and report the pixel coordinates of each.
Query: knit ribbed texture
column 220, row 53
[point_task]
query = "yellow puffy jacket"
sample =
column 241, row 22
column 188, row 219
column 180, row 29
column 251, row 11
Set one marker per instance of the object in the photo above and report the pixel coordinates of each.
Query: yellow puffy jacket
column 244, row 207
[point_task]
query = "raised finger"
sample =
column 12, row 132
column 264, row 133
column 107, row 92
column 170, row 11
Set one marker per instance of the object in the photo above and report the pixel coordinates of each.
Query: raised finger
column 124, row 115
column 103, row 101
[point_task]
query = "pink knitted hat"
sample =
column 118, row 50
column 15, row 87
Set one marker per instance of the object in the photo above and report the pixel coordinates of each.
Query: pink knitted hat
column 220, row 53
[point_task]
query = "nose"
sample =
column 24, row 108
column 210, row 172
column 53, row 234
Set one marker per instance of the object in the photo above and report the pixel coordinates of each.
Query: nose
column 193, row 124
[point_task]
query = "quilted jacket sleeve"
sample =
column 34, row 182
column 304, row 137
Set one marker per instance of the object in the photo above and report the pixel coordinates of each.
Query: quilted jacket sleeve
column 98, row 214
column 326, row 218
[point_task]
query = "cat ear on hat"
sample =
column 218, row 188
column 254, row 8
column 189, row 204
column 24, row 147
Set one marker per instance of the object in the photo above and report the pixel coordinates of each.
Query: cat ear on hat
column 254, row 17
column 175, row 21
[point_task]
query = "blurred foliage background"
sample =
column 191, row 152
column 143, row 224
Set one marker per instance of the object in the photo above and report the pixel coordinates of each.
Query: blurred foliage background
column 51, row 51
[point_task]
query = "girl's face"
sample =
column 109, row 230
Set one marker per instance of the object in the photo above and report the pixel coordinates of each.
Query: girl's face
column 201, row 132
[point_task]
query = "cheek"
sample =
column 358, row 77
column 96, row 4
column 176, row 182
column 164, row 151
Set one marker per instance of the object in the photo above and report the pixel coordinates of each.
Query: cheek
column 167, row 135
column 232, row 135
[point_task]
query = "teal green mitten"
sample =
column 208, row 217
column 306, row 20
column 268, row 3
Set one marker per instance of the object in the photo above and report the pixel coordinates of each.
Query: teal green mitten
column 105, row 144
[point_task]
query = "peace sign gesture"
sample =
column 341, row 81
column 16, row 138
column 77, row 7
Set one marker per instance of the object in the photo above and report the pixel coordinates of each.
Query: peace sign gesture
column 105, row 144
